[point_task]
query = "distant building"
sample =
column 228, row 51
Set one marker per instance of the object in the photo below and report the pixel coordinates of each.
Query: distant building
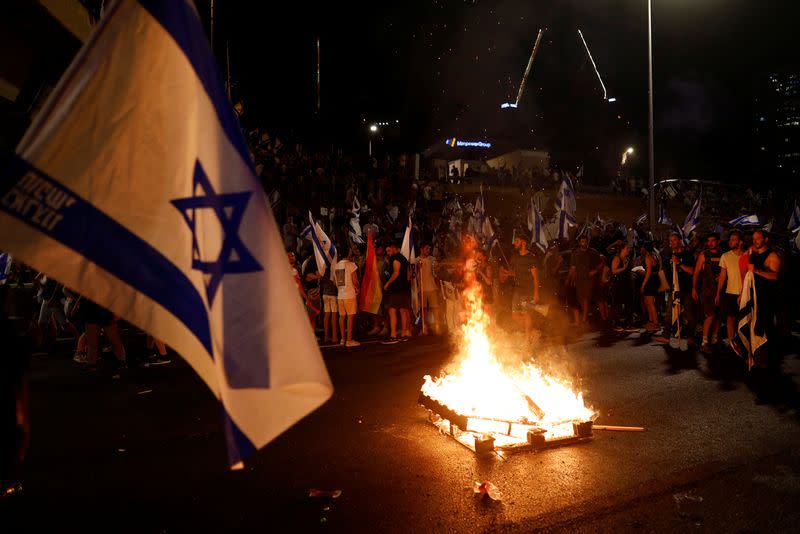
column 521, row 160
column 777, row 128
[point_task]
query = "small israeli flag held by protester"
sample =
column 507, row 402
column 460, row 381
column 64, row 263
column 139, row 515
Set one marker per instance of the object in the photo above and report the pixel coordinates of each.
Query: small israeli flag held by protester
column 538, row 234
column 134, row 187
column 566, row 202
column 324, row 250
column 663, row 218
column 745, row 220
column 794, row 220
column 693, row 218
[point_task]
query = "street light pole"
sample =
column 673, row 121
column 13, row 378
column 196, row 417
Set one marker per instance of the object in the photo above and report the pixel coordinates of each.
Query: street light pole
column 372, row 129
column 652, row 195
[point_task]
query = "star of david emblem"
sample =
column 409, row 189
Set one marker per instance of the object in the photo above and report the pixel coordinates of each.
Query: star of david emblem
column 234, row 258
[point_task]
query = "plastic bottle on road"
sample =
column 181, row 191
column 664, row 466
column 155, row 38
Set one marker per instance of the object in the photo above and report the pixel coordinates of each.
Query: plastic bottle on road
column 489, row 489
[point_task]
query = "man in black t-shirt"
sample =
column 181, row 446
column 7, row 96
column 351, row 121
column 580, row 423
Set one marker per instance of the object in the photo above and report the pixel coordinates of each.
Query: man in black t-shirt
column 708, row 268
column 524, row 269
column 397, row 294
column 583, row 273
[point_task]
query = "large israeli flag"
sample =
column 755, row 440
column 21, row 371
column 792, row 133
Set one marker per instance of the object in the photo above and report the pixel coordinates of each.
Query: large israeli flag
column 134, row 187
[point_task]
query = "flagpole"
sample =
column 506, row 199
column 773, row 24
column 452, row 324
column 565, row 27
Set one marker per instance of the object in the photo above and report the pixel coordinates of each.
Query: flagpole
column 422, row 303
column 212, row 25
column 650, row 114
column 228, row 65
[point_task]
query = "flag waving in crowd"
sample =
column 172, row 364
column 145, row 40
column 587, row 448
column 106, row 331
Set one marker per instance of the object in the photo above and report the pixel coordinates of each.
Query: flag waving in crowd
column 745, row 220
column 324, row 250
column 566, row 207
column 693, row 218
column 134, row 187
column 538, row 236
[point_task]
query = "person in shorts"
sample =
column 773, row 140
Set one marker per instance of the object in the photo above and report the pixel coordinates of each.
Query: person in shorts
column 346, row 276
column 397, row 294
column 729, row 288
column 96, row 318
column 584, row 271
column 708, row 268
column 524, row 269
column 330, row 307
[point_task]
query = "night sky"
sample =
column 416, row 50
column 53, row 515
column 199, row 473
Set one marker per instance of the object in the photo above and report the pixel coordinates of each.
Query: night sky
column 443, row 68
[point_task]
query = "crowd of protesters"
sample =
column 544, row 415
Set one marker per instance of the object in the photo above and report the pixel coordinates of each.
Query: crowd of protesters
column 605, row 275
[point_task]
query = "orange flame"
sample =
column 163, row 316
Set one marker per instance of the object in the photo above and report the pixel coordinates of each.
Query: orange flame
column 487, row 391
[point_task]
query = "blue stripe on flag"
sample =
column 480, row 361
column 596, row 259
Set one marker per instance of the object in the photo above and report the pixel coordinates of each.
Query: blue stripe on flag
column 239, row 445
column 180, row 20
column 98, row 238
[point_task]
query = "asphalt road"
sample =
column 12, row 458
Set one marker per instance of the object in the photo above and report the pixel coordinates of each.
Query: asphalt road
column 145, row 452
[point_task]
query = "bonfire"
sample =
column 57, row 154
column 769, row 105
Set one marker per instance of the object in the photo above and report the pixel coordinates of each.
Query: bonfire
column 481, row 398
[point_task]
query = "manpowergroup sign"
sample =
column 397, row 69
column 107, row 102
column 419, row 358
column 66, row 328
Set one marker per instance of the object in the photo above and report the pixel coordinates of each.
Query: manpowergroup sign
column 454, row 142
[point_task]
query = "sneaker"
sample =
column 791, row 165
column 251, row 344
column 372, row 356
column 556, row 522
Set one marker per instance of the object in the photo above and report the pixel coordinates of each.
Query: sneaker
column 80, row 357
column 403, row 338
column 390, row 341
column 684, row 344
column 157, row 360
column 343, row 342
column 352, row 343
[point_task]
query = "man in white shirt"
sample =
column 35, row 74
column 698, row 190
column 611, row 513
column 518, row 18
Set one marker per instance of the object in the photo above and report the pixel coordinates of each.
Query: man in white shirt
column 347, row 285
column 730, row 279
column 426, row 267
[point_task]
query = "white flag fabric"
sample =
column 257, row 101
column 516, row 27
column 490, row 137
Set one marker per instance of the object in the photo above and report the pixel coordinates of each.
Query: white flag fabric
column 324, row 251
column 751, row 333
column 134, row 187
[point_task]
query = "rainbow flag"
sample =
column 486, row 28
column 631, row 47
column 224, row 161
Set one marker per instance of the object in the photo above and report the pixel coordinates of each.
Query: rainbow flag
column 371, row 293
